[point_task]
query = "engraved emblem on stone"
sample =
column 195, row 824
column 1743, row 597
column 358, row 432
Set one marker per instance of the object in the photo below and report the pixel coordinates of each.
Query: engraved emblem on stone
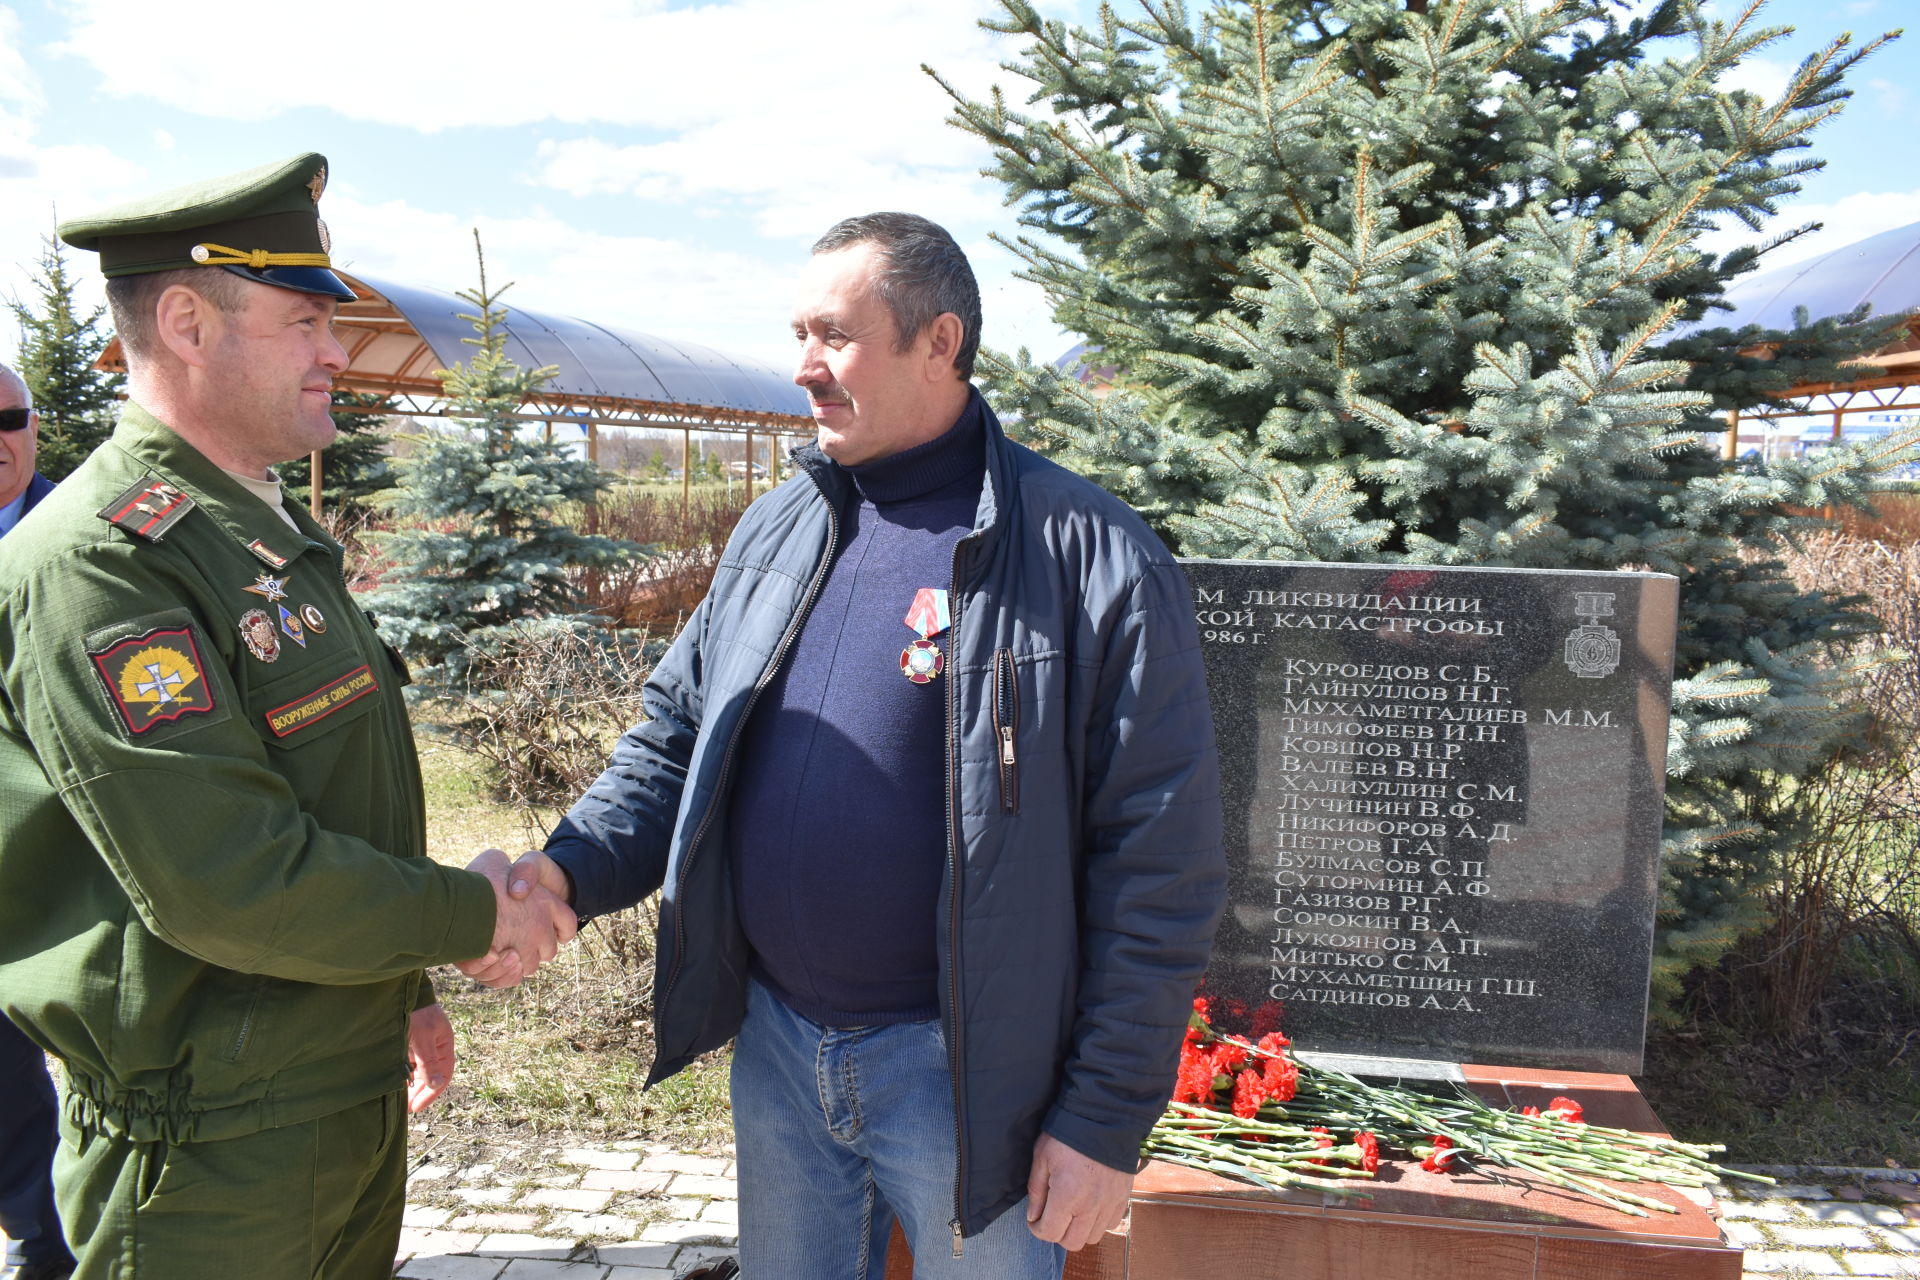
column 1592, row 650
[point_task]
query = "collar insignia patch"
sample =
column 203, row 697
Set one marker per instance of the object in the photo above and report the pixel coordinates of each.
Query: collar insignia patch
column 267, row 553
column 154, row 678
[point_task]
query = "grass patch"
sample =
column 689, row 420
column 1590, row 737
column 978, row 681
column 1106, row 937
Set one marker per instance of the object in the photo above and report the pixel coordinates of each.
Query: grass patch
column 565, row 1052
column 1845, row 1092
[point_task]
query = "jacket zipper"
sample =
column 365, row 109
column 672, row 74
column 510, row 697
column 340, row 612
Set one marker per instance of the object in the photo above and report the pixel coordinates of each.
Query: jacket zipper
column 956, row 868
column 1006, row 726
column 733, row 741
column 246, row 1024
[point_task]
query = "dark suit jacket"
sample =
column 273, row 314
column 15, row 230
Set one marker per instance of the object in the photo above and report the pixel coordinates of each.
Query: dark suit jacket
column 37, row 488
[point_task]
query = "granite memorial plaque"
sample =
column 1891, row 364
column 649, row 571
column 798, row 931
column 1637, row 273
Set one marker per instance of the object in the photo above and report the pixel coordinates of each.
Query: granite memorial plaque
column 1443, row 791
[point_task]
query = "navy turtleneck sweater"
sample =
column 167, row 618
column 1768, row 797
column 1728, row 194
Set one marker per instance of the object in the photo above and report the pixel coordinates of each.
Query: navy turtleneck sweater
column 837, row 825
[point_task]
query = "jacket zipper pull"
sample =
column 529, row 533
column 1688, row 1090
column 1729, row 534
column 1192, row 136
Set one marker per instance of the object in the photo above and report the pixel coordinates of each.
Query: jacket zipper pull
column 957, row 1243
column 1006, row 744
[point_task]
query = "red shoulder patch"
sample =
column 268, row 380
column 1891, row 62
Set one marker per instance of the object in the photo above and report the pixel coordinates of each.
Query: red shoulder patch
column 154, row 678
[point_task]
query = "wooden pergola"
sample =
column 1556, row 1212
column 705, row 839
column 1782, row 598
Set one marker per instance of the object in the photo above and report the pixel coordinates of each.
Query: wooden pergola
column 398, row 336
column 1882, row 271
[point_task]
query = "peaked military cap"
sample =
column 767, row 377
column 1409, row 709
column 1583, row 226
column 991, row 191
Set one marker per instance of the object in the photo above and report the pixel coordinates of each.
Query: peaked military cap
column 263, row 224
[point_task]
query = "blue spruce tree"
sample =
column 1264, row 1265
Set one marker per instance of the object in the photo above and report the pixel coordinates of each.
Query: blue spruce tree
column 1385, row 280
column 58, row 346
column 481, row 552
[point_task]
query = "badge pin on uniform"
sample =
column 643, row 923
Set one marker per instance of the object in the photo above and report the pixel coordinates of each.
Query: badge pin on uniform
column 930, row 614
column 272, row 588
column 256, row 630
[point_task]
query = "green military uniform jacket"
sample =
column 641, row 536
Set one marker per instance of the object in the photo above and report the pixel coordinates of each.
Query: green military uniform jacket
column 215, row 903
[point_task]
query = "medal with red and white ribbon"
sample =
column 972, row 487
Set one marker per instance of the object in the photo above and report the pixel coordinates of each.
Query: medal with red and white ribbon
column 930, row 614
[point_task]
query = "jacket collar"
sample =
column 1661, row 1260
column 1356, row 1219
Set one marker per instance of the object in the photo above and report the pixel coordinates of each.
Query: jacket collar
column 157, row 447
column 37, row 488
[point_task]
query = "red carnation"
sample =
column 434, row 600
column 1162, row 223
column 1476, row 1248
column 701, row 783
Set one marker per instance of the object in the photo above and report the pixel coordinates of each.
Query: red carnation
column 1530, row 1111
column 1194, row 1083
column 1229, row 1056
column 1441, row 1158
column 1369, row 1151
column 1322, row 1140
column 1280, row 1078
column 1248, row 1093
column 1569, row 1110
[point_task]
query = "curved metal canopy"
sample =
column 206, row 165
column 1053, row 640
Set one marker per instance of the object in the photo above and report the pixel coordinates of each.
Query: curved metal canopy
column 1882, row 270
column 398, row 335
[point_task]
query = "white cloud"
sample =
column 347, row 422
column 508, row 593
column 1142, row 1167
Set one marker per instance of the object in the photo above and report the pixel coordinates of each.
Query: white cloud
column 33, row 175
column 1847, row 220
column 621, row 62
column 1762, row 76
column 672, row 288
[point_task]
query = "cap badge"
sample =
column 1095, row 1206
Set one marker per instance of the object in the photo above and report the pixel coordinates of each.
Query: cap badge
column 318, row 183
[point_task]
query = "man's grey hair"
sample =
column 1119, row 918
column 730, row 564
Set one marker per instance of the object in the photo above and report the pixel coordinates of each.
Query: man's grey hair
column 11, row 381
column 923, row 275
column 132, row 299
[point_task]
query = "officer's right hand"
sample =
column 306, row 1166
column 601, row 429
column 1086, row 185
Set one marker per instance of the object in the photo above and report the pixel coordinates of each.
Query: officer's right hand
column 528, row 929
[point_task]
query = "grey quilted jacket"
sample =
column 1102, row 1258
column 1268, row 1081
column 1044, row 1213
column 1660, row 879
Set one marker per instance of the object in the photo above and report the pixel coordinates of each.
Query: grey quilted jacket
column 1085, row 873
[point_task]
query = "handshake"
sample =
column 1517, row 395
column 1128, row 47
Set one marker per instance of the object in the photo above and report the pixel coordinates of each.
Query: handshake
column 531, row 916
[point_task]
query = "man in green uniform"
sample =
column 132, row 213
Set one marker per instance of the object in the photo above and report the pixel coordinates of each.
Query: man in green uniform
column 215, row 904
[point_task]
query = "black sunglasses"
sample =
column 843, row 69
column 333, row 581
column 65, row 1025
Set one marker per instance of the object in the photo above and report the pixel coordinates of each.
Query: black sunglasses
column 14, row 419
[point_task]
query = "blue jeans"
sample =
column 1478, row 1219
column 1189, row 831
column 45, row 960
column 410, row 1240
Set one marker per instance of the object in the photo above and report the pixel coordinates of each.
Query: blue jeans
column 27, row 1140
column 840, row 1129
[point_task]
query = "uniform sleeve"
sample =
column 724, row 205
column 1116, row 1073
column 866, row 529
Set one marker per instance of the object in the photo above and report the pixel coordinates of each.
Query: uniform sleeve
column 613, row 842
column 1155, row 873
column 206, row 839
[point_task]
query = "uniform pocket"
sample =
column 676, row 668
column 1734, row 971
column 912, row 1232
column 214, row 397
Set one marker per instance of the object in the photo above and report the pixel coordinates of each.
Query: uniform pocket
column 312, row 703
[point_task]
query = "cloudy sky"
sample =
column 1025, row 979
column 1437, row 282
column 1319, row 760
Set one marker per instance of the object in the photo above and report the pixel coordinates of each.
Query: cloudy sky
column 650, row 164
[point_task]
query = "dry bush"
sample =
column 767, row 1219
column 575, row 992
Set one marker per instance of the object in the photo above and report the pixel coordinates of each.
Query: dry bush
column 349, row 526
column 1896, row 522
column 1850, row 884
column 544, row 709
column 660, row 591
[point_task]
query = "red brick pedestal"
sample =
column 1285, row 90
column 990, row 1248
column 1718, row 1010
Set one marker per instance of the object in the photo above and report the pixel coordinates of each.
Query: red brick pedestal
column 1408, row 1224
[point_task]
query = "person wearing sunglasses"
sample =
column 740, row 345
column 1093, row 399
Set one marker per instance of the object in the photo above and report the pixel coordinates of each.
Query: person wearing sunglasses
column 37, row 1251
column 21, row 487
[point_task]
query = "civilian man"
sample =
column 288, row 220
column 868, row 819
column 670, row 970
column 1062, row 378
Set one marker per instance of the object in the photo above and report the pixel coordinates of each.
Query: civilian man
column 214, row 900
column 37, row 1251
column 929, row 781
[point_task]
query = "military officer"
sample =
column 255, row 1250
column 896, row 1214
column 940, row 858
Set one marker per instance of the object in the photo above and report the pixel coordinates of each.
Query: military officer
column 215, row 906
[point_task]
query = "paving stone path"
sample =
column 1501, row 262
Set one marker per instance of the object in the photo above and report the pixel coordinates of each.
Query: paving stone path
column 625, row 1211
column 642, row 1211
column 1827, row 1222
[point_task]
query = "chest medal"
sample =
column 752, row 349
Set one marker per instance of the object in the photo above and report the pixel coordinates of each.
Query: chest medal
column 931, row 614
column 256, row 630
